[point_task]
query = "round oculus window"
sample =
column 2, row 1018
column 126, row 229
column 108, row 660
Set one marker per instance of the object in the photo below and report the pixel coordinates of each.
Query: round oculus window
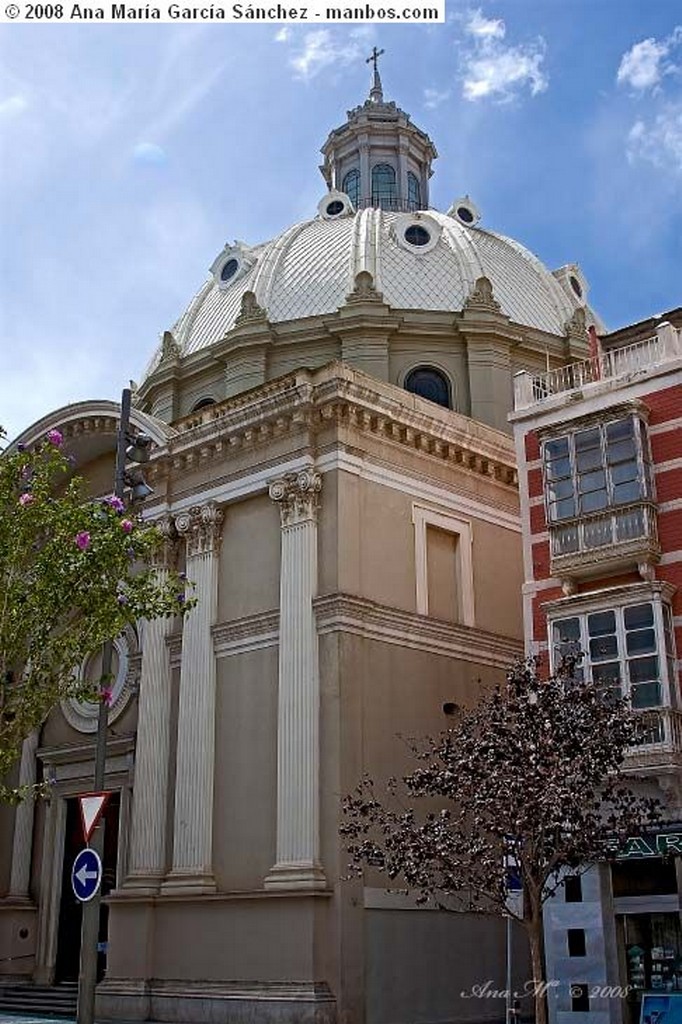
column 465, row 215
column 334, row 208
column 576, row 286
column 417, row 235
column 230, row 268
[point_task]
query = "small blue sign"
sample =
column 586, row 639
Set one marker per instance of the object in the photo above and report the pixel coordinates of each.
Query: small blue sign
column 86, row 874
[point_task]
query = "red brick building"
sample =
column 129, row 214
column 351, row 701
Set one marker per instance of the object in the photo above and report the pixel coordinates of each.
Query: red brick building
column 599, row 445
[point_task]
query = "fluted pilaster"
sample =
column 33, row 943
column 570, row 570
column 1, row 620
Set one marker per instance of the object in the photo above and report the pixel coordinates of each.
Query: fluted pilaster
column 192, row 868
column 147, row 863
column 22, row 844
column 298, row 842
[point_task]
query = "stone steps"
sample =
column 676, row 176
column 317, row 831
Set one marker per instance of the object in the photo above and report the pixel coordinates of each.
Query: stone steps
column 40, row 1000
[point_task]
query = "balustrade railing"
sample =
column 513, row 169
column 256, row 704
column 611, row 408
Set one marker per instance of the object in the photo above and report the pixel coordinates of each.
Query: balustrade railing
column 530, row 388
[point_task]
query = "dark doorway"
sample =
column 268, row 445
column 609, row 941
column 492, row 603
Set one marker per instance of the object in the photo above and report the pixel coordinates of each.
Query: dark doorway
column 70, row 910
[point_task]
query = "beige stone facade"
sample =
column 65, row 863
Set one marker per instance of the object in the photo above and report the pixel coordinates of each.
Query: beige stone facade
column 356, row 553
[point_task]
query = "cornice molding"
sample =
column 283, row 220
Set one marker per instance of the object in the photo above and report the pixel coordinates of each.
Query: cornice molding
column 362, row 617
column 251, row 633
column 346, row 399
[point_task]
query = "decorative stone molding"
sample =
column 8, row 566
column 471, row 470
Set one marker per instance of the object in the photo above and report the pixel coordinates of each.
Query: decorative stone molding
column 250, row 311
column 336, row 613
column 165, row 555
column 297, row 495
column 344, row 398
column 576, row 328
column 82, row 715
column 170, row 350
column 364, row 290
column 201, row 529
column 481, row 298
column 20, row 875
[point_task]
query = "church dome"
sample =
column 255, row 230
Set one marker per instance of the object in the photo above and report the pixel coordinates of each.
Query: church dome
column 310, row 269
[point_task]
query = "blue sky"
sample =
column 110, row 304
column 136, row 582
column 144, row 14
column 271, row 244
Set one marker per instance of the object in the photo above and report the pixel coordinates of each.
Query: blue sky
column 129, row 154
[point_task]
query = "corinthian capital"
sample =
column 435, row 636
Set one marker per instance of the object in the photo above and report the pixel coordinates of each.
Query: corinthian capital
column 297, row 496
column 201, row 528
column 165, row 553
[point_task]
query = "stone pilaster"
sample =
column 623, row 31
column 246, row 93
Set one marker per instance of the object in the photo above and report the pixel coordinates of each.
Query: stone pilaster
column 147, row 863
column 298, row 757
column 201, row 527
column 22, row 844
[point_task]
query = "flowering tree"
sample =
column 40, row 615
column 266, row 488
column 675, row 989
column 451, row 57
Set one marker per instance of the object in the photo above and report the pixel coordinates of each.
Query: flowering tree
column 529, row 777
column 73, row 574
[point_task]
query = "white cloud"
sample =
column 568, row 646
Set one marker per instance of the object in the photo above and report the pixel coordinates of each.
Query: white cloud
column 283, row 35
column 149, row 153
column 658, row 141
column 320, row 51
column 433, row 98
column 645, row 64
column 492, row 69
column 13, row 105
column 484, row 28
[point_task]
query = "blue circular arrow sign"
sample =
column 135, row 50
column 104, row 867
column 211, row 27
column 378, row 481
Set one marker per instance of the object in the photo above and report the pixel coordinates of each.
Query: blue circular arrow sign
column 86, row 874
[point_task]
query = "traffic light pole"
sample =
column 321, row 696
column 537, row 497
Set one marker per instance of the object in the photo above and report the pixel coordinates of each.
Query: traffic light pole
column 87, row 979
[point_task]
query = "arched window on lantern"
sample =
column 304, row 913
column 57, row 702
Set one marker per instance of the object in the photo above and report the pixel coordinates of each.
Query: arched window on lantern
column 384, row 190
column 351, row 186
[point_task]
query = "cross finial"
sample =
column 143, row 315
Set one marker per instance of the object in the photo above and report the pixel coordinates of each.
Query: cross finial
column 376, row 93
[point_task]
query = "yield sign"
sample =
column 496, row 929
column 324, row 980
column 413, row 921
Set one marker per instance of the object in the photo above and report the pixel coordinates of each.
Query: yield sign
column 92, row 805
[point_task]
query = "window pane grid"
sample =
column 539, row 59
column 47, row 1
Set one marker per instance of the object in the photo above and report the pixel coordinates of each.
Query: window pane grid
column 593, row 470
column 621, row 651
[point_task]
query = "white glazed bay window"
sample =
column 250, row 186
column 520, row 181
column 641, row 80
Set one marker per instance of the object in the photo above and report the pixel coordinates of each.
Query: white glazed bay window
column 627, row 649
column 598, row 482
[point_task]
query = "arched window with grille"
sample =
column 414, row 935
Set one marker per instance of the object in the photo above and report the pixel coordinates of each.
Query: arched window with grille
column 427, row 382
column 414, row 192
column 351, row 186
column 384, row 191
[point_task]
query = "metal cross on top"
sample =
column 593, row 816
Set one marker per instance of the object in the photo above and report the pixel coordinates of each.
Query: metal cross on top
column 374, row 58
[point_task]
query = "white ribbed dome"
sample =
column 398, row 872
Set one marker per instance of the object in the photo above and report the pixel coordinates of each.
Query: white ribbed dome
column 310, row 269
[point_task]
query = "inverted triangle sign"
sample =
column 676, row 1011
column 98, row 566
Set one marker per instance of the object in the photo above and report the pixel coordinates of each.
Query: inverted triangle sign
column 91, row 805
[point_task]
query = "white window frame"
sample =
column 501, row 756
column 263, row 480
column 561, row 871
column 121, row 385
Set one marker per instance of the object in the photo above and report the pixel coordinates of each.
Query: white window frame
column 657, row 594
column 642, row 457
column 423, row 517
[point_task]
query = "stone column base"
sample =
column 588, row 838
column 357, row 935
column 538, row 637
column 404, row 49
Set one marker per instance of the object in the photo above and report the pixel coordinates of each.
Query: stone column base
column 188, row 883
column 295, row 875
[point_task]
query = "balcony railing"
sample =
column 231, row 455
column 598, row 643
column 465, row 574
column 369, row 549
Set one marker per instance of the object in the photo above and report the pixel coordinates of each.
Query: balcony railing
column 615, row 534
column 661, row 743
column 530, row 389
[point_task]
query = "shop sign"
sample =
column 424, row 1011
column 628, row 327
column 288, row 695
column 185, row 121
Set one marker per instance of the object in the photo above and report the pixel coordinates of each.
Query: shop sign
column 662, row 844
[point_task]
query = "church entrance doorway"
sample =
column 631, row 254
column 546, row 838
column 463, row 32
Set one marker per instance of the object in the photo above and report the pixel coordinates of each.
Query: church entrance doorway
column 70, row 910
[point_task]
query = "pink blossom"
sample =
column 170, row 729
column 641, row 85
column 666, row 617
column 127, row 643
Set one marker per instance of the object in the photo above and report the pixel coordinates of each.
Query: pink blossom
column 107, row 695
column 127, row 525
column 115, row 502
column 82, row 540
column 55, row 437
column 26, row 499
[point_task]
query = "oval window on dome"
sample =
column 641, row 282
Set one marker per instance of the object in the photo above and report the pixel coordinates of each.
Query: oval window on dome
column 465, row 215
column 334, row 208
column 230, row 268
column 576, row 286
column 417, row 235
column 429, row 383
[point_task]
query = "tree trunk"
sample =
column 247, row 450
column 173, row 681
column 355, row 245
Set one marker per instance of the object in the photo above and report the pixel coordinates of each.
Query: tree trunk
column 536, row 937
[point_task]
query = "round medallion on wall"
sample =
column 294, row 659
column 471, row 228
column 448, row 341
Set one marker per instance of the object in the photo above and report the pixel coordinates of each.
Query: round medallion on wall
column 82, row 715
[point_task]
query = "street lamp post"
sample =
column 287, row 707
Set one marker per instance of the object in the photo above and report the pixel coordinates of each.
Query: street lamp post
column 126, row 447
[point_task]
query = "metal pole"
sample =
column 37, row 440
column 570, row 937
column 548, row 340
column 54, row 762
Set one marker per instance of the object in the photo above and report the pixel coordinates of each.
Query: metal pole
column 87, row 979
column 509, row 994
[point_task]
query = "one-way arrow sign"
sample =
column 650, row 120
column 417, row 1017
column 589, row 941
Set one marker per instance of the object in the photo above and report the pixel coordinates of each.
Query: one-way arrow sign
column 86, row 874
